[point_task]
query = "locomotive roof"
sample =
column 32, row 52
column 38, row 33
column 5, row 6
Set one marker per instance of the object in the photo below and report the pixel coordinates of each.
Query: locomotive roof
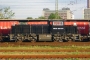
column 25, row 20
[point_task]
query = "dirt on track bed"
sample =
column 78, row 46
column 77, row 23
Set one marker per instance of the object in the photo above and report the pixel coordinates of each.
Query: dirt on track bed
column 43, row 56
column 43, row 50
column 44, row 43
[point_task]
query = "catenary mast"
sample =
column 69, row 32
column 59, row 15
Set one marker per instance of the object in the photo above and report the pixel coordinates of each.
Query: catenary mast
column 56, row 8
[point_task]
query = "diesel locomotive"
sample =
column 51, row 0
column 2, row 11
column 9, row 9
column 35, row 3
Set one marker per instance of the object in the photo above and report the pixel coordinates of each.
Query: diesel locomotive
column 44, row 30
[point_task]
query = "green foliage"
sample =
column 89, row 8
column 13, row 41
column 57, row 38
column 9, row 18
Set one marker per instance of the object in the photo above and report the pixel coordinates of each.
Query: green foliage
column 54, row 16
column 6, row 13
column 29, row 18
column 41, row 17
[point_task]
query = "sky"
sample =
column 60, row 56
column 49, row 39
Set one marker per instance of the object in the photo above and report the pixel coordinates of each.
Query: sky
column 34, row 8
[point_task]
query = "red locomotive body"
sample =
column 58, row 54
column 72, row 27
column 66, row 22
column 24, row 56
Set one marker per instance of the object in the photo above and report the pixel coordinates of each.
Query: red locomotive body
column 45, row 28
column 5, row 26
column 82, row 26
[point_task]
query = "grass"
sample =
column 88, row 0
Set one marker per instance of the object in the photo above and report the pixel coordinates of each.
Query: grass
column 42, row 53
column 46, row 47
column 46, row 53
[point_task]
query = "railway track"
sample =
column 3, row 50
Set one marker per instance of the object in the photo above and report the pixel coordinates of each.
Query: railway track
column 43, row 56
column 44, row 50
column 28, row 53
column 44, row 43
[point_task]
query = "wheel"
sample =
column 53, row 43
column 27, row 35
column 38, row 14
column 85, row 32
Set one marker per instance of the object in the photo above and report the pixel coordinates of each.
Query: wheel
column 60, row 40
column 33, row 40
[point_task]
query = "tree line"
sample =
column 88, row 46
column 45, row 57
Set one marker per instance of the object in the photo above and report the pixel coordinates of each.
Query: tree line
column 6, row 13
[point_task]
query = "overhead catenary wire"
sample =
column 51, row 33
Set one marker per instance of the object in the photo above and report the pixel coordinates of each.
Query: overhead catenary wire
column 27, row 6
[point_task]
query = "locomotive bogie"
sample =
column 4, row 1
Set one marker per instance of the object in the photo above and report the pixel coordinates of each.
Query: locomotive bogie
column 1, row 38
column 57, row 37
column 33, row 37
column 76, row 37
column 12, row 37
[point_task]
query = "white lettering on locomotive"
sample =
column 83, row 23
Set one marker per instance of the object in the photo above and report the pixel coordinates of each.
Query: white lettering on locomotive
column 58, row 23
column 81, row 27
column 58, row 28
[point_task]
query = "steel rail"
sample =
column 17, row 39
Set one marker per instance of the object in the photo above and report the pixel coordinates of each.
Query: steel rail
column 43, row 56
column 45, row 44
column 44, row 50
